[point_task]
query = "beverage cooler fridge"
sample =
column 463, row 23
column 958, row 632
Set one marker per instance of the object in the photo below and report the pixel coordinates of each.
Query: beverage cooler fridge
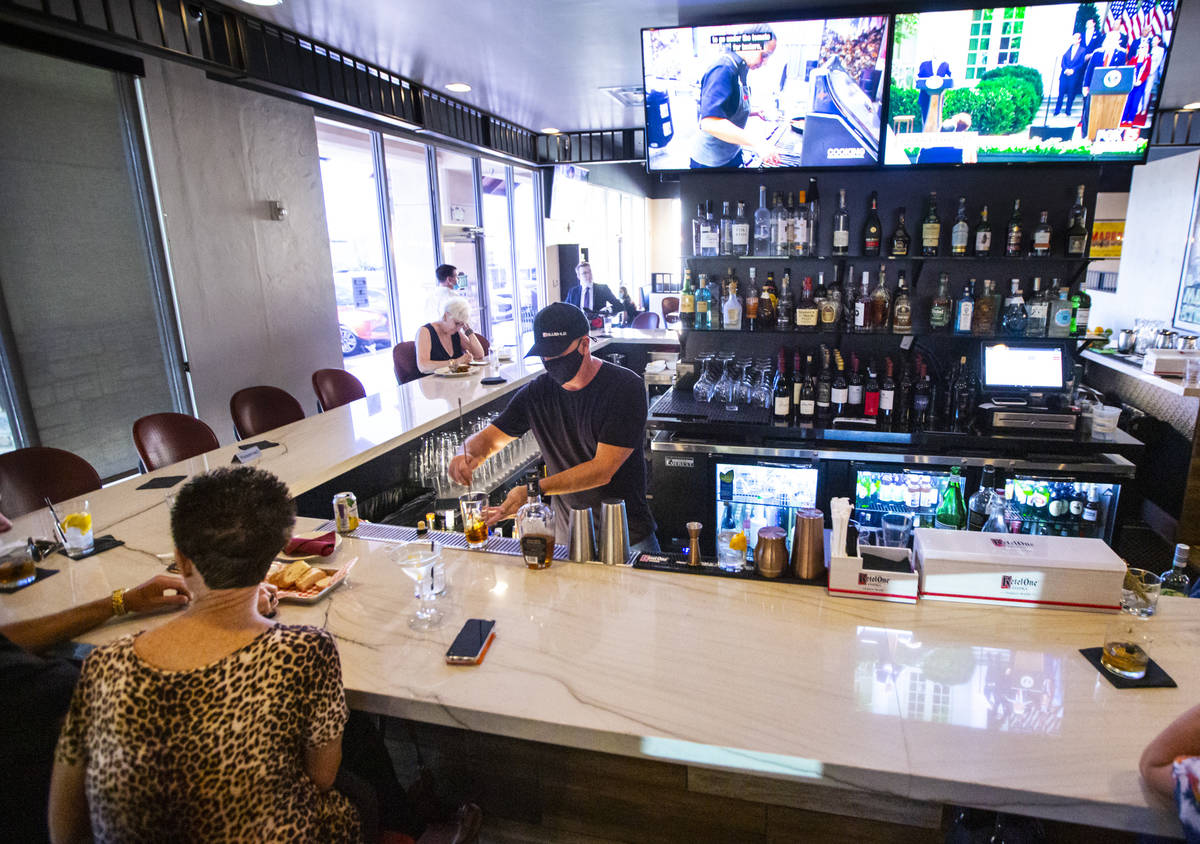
column 758, row 494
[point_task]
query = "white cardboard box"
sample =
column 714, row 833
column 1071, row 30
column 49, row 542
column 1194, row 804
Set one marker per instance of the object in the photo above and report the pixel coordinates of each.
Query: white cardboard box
column 848, row 579
column 1050, row 572
column 1167, row 361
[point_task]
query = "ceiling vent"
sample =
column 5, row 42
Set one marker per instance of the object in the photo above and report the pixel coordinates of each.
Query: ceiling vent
column 630, row 96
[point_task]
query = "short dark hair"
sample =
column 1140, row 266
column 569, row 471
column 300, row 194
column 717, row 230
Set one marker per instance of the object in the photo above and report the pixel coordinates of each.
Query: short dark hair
column 445, row 271
column 231, row 523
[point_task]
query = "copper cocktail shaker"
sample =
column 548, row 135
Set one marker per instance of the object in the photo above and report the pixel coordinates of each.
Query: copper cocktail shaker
column 808, row 544
column 770, row 554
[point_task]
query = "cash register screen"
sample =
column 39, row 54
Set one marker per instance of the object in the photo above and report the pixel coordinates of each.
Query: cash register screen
column 1021, row 368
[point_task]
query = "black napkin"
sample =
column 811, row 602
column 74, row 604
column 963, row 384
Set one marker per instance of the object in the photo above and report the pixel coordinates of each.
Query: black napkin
column 163, row 482
column 103, row 543
column 42, row 574
column 261, row 445
column 1155, row 676
column 494, row 380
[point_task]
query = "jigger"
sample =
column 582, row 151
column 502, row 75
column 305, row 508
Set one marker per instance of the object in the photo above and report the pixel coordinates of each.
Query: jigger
column 693, row 529
column 614, row 532
column 583, row 535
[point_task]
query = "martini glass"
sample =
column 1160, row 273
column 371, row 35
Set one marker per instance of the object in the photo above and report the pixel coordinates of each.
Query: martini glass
column 416, row 559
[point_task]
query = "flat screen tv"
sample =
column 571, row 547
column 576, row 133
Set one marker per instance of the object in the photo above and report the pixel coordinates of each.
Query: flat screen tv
column 1059, row 83
column 804, row 93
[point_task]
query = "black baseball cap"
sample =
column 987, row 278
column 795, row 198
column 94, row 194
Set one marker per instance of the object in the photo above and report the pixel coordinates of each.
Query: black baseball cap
column 555, row 327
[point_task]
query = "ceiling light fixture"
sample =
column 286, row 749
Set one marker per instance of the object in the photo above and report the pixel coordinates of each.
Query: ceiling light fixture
column 550, row 130
column 1190, row 107
column 458, row 87
column 263, row 2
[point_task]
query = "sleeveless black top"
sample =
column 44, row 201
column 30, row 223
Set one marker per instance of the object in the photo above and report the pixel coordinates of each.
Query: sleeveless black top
column 437, row 351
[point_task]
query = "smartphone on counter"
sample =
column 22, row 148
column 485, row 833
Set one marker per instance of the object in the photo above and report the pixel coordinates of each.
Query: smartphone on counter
column 472, row 642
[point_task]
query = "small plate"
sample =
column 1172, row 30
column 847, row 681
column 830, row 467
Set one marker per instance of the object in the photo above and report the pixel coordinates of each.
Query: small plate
column 311, row 534
column 477, row 362
column 312, row 595
column 447, row 372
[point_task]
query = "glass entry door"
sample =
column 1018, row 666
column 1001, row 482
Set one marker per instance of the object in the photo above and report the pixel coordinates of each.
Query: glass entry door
column 458, row 212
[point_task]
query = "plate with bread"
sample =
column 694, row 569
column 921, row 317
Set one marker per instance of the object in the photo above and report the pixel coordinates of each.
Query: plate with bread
column 304, row 583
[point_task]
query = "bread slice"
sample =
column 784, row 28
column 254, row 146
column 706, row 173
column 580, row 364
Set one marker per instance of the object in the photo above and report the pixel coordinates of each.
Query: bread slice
column 325, row 581
column 309, row 578
column 293, row 573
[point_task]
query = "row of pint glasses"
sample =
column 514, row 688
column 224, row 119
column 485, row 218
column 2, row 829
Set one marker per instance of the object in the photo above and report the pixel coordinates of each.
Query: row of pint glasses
column 431, row 464
column 728, row 380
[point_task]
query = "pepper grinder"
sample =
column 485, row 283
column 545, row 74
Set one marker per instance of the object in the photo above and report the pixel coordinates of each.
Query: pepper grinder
column 693, row 529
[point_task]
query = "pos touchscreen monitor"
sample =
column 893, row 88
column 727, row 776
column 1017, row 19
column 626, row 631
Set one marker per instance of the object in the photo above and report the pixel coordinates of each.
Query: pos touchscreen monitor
column 1057, row 83
column 798, row 93
column 1018, row 369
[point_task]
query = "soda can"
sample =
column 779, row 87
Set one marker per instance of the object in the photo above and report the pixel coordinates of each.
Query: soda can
column 345, row 512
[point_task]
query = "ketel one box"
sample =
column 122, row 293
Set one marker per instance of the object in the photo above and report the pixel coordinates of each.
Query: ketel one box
column 1015, row 570
column 879, row 574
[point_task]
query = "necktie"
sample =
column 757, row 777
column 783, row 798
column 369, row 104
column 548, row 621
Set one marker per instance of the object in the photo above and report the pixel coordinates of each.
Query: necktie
column 587, row 298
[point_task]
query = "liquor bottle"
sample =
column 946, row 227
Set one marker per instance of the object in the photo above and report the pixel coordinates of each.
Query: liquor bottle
column 762, row 225
column 1077, row 231
column 887, row 395
column 1039, row 309
column 1089, row 525
column 1176, row 582
column 902, row 307
column 786, row 310
column 977, row 505
column 535, row 526
column 931, row 228
column 921, row 400
column 1015, row 320
column 1078, row 502
column 741, row 229
column 782, row 408
column 1059, row 317
column 726, row 225
column 951, row 512
column 829, row 303
column 1041, row 236
column 789, row 225
column 962, row 398
column 1058, row 504
column 881, row 304
column 800, row 226
column 1081, row 311
column 902, row 412
column 996, row 520
column 751, row 303
column 710, row 233
column 731, row 309
column 871, row 393
column 849, row 297
column 943, row 398
column 960, row 234
column 964, row 310
column 1016, row 234
column 715, row 293
column 862, row 306
column 841, row 226
column 872, row 228
column 687, row 303
column 900, row 239
column 777, row 240
column 983, row 324
column 839, row 393
column 825, row 385
column 703, row 304
column 807, row 409
column 855, row 387
column 766, row 305
column 812, row 243
column 983, row 235
column 941, row 307
column 807, row 313
column 697, row 228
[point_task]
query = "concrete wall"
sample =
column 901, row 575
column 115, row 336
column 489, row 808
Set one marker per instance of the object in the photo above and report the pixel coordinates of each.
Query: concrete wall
column 1156, row 234
column 255, row 295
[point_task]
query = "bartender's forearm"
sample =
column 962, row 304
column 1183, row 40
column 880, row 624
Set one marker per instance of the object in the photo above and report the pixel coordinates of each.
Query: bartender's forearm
column 38, row 634
column 727, row 131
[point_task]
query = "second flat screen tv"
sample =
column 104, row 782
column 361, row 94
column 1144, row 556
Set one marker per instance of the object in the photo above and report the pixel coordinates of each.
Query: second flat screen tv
column 781, row 94
column 1059, row 83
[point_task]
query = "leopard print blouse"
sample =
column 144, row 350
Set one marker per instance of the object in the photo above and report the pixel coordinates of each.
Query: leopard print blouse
column 214, row 753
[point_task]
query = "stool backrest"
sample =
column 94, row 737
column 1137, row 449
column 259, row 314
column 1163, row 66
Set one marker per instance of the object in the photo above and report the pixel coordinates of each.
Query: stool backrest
column 165, row 438
column 404, row 359
column 258, row 409
column 336, row 387
column 29, row 475
column 648, row 319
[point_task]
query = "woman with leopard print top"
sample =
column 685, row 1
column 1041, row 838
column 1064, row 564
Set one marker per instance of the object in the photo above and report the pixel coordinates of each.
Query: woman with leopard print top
column 219, row 725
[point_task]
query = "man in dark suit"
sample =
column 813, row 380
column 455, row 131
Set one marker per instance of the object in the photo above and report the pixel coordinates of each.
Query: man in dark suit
column 1070, row 75
column 1110, row 54
column 590, row 297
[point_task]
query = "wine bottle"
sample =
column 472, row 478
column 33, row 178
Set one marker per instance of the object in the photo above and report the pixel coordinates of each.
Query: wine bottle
column 871, row 394
column 887, row 395
column 839, row 394
column 960, row 234
column 808, row 394
column 983, row 235
column 872, row 228
column 825, row 385
column 841, row 226
column 782, row 410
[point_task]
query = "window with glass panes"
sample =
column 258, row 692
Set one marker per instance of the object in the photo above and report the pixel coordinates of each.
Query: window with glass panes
column 1011, row 28
column 980, row 42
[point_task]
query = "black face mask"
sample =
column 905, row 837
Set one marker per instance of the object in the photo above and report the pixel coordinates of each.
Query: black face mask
column 563, row 369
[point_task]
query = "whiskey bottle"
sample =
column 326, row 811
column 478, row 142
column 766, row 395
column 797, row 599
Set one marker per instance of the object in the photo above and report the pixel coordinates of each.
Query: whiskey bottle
column 1077, row 230
column 881, row 304
column 1016, row 234
column 983, row 235
column 964, row 309
column 931, row 228
column 841, row 226
column 941, row 307
column 766, row 305
column 710, row 233
column 1015, row 320
column 829, row 302
column 872, row 228
column 983, row 323
column 535, row 526
column 960, row 234
column 900, row 239
column 1039, row 309
column 741, row 230
column 807, row 313
column 902, row 308
column 1041, row 236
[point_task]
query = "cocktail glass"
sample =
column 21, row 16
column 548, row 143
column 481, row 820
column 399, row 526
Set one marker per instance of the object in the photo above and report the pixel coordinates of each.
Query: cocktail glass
column 417, row 560
column 1126, row 641
column 77, row 528
column 474, row 525
column 1139, row 592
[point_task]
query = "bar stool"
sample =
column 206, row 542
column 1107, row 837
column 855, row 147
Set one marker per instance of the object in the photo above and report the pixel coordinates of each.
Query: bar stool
column 404, row 361
column 647, row 319
column 28, row 476
column 258, row 409
column 165, row 438
column 670, row 309
column 336, row 387
column 483, row 341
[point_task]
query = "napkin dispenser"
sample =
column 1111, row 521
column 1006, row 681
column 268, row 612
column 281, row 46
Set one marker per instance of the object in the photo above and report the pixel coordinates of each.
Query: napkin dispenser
column 876, row 574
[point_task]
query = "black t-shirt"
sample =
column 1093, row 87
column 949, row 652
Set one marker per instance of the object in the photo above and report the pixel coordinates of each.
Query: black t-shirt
column 720, row 89
column 568, row 424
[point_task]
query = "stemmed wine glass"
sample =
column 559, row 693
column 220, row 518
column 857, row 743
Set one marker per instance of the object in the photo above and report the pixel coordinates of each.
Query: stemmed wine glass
column 417, row 559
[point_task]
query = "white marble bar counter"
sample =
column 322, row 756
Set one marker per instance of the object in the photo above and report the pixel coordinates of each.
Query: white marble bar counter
column 640, row 337
column 942, row 703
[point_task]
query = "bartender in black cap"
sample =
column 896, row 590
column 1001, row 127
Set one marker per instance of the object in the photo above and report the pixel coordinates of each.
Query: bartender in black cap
column 589, row 419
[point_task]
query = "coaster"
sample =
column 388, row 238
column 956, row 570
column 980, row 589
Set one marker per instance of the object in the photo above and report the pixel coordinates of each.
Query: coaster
column 1155, row 676
column 42, row 574
column 103, row 543
column 163, row 482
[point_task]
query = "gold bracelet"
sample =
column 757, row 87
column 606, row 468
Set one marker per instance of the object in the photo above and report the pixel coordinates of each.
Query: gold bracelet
column 118, row 602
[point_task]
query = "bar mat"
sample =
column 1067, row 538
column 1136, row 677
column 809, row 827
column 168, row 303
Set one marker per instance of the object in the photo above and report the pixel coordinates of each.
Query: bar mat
column 103, row 543
column 163, row 482
column 677, row 563
column 42, row 574
column 682, row 405
column 447, row 539
column 1155, row 676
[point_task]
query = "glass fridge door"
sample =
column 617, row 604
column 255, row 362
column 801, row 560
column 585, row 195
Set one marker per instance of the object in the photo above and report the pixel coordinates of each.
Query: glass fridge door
column 895, row 490
column 1049, row 505
column 755, row 495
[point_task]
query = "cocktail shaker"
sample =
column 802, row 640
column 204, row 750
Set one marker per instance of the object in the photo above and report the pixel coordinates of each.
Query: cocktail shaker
column 583, row 535
column 770, row 554
column 808, row 544
column 614, row 532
